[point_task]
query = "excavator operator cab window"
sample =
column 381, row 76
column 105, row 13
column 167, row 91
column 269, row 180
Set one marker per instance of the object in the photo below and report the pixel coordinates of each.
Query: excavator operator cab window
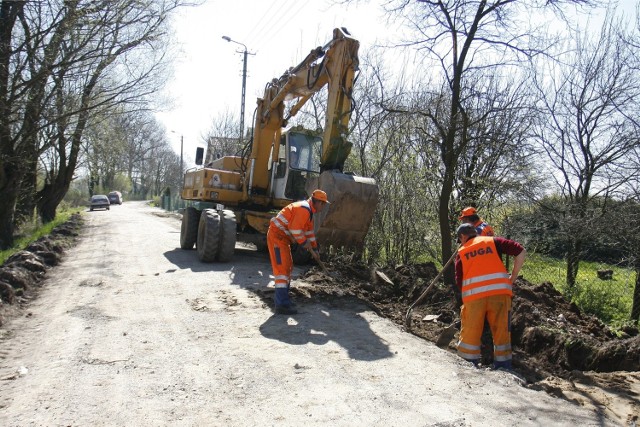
column 302, row 152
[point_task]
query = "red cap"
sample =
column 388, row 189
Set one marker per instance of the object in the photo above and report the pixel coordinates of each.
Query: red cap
column 467, row 212
column 320, row 195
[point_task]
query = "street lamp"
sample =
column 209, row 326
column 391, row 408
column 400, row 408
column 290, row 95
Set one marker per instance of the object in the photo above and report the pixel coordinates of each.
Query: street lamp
column 244, row 82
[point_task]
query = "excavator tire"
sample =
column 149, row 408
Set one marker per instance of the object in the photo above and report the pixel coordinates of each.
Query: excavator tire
column 208, row 235
column 227, row 236
column 189, row 228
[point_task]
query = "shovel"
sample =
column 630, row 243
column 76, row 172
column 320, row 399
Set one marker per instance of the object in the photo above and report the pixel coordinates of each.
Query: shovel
column 316, row 256
column 407, row 319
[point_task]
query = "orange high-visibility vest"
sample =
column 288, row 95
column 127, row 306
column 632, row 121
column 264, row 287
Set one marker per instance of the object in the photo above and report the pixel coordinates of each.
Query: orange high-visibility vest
column 295, row 223
column 483, row 273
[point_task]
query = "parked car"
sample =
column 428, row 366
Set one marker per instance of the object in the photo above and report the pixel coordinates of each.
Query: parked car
column 99, row 201
column 115, row 197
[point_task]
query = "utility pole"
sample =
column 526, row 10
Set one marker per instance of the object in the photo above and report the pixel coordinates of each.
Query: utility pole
column 244, row 83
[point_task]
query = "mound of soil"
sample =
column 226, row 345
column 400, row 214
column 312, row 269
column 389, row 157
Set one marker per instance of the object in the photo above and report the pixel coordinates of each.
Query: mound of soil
column 22, row 273
column 550, row 335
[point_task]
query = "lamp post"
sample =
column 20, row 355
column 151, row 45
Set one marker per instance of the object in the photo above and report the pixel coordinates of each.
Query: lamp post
column 244, row 82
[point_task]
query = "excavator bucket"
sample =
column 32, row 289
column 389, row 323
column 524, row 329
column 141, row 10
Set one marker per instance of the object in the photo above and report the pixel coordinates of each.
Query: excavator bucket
column 345, row 222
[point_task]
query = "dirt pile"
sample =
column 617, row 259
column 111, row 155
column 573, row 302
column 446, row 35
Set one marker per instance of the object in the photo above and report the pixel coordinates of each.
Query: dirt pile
column 550, row 335
column 22, row 272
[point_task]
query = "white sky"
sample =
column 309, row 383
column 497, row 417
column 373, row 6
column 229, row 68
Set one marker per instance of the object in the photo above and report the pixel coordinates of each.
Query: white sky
column 279, row 33
column 208, row 72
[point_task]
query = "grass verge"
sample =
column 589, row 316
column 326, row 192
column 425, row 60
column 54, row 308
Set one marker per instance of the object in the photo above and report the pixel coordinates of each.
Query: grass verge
column 31, row 232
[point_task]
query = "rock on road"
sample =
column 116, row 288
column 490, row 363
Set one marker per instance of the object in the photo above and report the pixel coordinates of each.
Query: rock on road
column 130, row 330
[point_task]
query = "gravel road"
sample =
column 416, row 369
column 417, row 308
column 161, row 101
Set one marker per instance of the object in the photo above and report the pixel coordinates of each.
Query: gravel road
column 130, row 330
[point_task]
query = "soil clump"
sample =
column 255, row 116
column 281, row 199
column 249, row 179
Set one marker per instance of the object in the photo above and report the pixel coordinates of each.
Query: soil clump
column 23, row 272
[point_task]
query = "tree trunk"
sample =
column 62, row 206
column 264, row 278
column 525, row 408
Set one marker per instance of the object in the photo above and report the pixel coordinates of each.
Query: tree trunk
column 445, row 231
column 27, row 194
column 9, row 162
column 9, row 194
column 573, row 264
column 50, row 198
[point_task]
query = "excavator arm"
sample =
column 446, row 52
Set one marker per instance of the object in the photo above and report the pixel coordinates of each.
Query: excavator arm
column 334, row 66
column 336, row 70
column 354, row 199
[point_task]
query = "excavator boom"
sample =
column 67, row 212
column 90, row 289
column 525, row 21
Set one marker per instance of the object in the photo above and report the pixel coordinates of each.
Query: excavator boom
column 333, row 66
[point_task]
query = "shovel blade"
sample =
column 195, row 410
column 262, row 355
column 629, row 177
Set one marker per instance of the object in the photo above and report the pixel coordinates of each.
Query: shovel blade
column 446, row 335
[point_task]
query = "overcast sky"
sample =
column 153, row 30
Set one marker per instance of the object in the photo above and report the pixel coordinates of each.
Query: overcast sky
column 278, row 33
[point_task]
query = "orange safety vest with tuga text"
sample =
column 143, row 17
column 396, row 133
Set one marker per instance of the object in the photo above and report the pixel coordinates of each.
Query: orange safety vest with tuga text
column 483, row 273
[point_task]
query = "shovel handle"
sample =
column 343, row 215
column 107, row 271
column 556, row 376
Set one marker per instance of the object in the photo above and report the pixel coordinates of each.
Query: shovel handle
column 426, row 291
column 316, row 256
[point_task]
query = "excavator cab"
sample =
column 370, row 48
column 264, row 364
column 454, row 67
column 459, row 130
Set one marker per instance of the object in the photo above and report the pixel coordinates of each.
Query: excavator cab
column 298, row 163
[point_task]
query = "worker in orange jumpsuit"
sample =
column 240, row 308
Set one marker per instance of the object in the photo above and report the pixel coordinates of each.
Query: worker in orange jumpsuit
column 486, row 289
column 293, row 224
column 470, row 216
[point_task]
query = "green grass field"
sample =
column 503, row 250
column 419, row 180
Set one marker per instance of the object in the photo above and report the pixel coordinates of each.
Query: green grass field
column 610, row 300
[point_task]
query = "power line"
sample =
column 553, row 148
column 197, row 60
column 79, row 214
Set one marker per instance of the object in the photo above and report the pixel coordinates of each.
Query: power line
column 269, row 17
column 282, row 22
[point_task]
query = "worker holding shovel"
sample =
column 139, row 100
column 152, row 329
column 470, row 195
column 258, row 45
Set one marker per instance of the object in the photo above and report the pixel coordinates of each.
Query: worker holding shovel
column 469, row 215
column 293, row 224
column 486, row 289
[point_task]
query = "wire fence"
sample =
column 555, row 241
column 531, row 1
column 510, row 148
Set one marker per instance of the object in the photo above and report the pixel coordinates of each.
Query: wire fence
column 605, row 290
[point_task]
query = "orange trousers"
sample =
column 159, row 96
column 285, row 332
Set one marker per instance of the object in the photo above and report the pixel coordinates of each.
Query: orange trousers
column 281, row 260
column 497, row 310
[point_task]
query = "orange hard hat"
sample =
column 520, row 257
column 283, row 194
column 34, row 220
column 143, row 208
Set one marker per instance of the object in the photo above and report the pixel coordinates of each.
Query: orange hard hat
column 467, row 212
column 320, row 195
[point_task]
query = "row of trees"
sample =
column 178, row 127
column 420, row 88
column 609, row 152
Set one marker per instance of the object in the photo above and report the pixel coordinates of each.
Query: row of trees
column 501, row 115
column 76, row 78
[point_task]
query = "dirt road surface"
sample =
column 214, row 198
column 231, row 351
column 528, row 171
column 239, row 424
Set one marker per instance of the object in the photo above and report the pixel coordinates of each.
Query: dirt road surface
column 131, row 330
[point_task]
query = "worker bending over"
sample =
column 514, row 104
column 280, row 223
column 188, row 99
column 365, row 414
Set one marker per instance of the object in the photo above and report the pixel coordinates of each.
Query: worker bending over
column 470, row 216
column 486, row 289
column 293, row 224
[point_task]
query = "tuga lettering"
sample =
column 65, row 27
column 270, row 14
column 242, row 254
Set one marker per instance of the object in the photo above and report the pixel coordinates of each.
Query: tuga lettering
column 481, row 251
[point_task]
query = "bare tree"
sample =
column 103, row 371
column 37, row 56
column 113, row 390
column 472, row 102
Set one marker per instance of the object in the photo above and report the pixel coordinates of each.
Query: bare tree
column 64, row 62
column 587, row 134
column 496, row 167
column 222, row 137
column 464, row 39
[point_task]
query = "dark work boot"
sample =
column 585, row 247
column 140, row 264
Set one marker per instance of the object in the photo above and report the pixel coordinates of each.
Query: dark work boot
column 283, row 303
column 286, row 309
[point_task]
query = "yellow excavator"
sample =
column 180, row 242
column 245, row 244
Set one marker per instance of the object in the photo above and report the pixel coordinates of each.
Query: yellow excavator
column 235, row 197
